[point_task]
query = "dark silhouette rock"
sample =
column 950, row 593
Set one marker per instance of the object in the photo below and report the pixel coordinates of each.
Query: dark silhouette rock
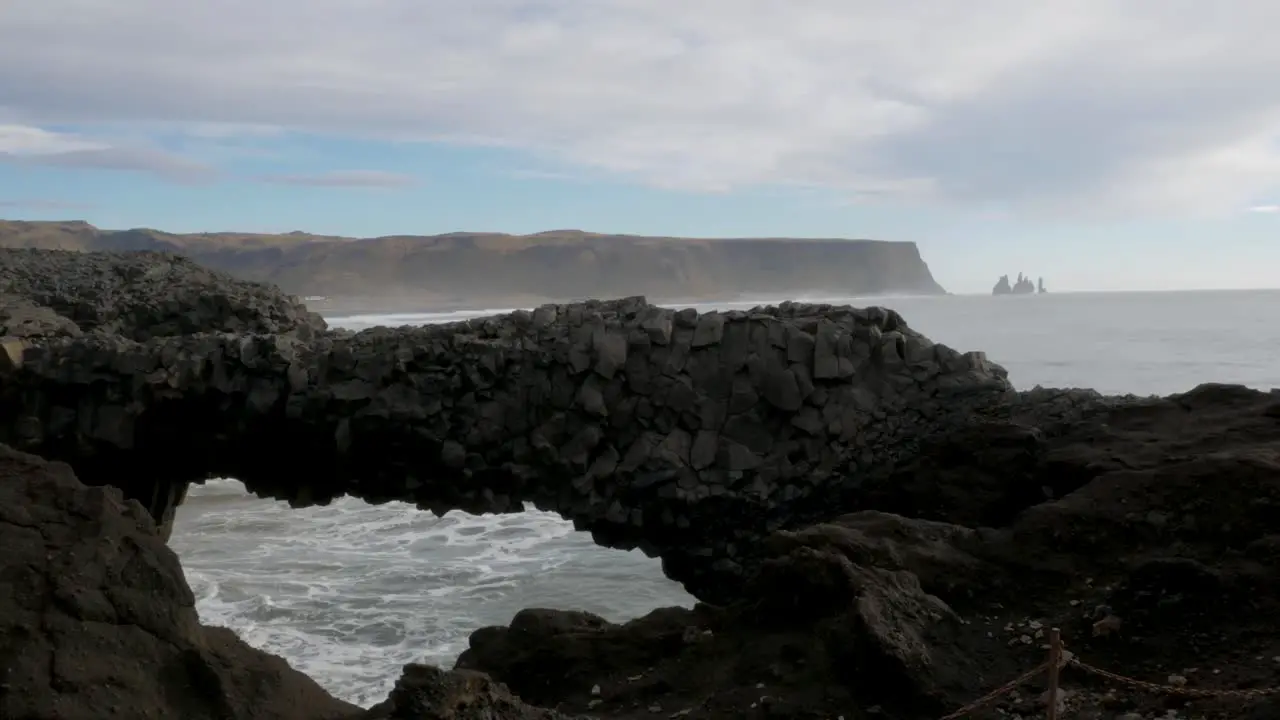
column 1023, row 286
column 1159, row 514
column 816, row 633
column 139, row 296
column 96, row 620
column 428, row 693
column 676, row 432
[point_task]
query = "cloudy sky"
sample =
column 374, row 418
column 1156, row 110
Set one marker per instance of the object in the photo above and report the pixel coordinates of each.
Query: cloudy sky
column 1103, row 144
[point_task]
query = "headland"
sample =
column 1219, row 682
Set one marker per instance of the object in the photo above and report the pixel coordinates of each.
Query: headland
column 498, row 270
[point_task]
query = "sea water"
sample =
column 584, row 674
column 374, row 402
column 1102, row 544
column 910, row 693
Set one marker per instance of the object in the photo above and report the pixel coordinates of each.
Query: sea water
column 350, row 592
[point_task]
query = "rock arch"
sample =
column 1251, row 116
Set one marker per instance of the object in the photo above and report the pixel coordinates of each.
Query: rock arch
column 689, row 435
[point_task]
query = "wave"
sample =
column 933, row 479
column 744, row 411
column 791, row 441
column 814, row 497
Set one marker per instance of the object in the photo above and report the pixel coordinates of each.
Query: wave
column 362, row 321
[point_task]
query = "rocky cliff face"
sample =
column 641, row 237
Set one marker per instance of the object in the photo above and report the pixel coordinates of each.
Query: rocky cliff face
column 558, row 265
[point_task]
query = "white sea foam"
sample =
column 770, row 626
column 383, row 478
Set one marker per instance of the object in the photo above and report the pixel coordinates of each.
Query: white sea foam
column 350, row 592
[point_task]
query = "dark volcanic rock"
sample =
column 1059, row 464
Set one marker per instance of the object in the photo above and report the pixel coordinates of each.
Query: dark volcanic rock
column 1158, row 515
column 428, row 693
column 981, row 474
column 688, row 436
column 145, row 295
column 96, row 620
column 817, row 633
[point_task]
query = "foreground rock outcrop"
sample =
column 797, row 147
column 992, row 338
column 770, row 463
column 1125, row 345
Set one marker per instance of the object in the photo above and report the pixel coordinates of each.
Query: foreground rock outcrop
column 424, row 692
column 688, row 435
column 97, row 621
column 1152, row 545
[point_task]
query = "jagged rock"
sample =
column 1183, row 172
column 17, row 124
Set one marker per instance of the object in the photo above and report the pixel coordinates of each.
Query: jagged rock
column 1161, row 511
column 944, row 558
column 880, row 620
column 20, row 318
column 97, row 621
column 424, row 692
column 1023, row 286
column 144, row 295
column 811, row 613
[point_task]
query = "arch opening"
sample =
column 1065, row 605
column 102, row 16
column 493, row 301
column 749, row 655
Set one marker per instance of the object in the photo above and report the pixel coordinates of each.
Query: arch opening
column 349, row 592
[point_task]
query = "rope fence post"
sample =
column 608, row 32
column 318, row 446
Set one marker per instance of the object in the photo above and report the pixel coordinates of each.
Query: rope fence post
column 1060, row 657
column 1055, row 667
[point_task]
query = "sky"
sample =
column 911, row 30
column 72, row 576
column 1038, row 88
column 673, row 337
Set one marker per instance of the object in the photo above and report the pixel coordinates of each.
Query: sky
column 1103, row 144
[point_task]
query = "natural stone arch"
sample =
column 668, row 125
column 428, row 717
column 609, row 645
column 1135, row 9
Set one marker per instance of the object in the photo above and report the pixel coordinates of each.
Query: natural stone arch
column 686, row 434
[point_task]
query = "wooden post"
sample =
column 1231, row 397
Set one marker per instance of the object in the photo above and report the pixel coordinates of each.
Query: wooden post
column 1055, row 665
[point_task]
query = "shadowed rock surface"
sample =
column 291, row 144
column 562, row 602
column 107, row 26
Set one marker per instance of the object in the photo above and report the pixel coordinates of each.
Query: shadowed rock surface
column 97, row 621
column 1160, row 515
column 688, row 435
column 424, row 692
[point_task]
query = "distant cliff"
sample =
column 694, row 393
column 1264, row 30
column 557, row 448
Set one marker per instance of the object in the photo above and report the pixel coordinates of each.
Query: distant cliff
column 555, row 265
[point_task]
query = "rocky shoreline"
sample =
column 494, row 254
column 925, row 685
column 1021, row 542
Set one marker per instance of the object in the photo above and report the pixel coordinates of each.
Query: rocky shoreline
column 897, row 558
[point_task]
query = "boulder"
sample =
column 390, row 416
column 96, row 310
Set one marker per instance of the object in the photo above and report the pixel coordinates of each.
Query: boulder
column 424, row 692
column 143, row 295
column 97, row 621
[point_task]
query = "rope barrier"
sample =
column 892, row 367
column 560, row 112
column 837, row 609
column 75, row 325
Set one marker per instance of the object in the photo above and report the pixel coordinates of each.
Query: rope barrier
column 1159, row 689
column 1060, row 657
column 996, row 694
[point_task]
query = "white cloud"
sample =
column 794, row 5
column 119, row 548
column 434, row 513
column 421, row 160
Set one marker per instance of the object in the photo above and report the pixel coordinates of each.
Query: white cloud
column 23, row 141
column 1265, row 209
column 1093, row 104
column 36, row 146
column 345, row 178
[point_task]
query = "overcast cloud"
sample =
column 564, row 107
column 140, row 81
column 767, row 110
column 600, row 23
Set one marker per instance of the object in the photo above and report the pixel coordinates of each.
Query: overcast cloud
column 1109, row 105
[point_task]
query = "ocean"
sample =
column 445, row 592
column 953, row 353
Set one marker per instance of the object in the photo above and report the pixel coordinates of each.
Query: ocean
column 350, row 592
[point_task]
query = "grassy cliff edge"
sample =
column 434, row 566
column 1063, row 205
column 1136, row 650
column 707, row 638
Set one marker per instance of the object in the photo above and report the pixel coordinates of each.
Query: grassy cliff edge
column 557, row 265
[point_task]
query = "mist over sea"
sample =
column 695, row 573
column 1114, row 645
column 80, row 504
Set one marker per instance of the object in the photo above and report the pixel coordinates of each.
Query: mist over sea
column 350, row 592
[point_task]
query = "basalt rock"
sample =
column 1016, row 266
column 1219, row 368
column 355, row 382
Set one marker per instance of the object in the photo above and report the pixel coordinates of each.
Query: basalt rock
column 424, row 692
column 143, row 295
column 688, row 435
column 1153, row 548
column 97, row 621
